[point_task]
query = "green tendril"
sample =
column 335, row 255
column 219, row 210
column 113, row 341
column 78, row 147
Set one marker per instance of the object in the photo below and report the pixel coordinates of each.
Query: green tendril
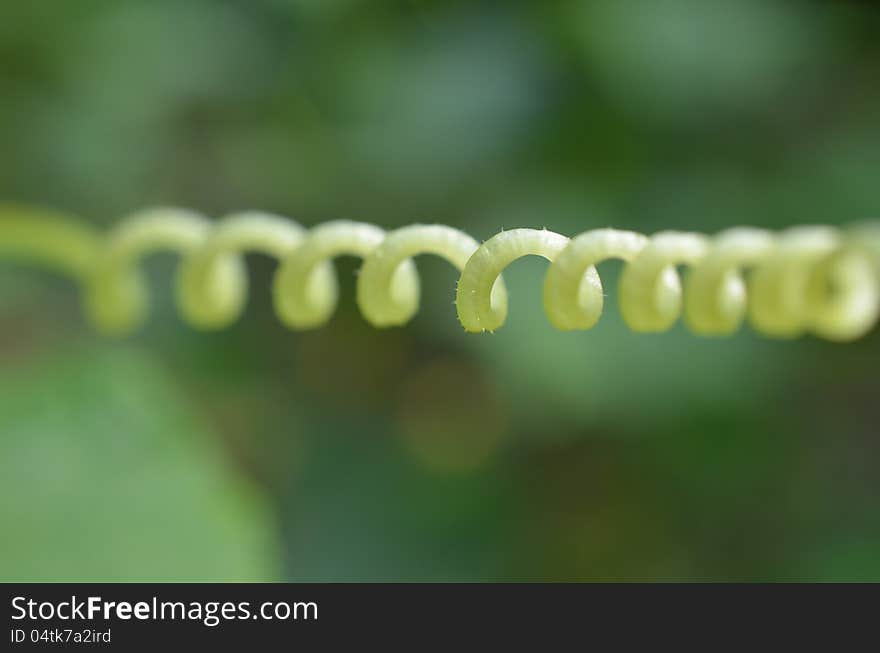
column 819, row 280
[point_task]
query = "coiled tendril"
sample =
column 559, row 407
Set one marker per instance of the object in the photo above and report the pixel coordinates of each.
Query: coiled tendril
column 818, row 279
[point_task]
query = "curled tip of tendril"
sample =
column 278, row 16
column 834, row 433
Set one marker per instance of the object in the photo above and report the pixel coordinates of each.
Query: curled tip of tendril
column 116, row 296
column 820, row 280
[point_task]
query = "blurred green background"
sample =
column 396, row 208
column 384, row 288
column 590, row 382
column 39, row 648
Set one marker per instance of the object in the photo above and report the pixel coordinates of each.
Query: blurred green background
column 424, row 453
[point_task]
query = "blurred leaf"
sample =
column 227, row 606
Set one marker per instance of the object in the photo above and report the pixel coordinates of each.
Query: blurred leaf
column 107, row 476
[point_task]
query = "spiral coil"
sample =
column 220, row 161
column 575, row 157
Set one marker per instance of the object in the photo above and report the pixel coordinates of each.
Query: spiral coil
column 816, row 279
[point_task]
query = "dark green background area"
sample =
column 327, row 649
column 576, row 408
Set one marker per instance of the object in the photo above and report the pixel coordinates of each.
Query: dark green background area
column 424, row 453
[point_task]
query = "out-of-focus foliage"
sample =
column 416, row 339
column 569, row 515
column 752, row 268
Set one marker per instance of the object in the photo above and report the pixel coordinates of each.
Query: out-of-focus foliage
column 425, row 453
column 106, row 475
